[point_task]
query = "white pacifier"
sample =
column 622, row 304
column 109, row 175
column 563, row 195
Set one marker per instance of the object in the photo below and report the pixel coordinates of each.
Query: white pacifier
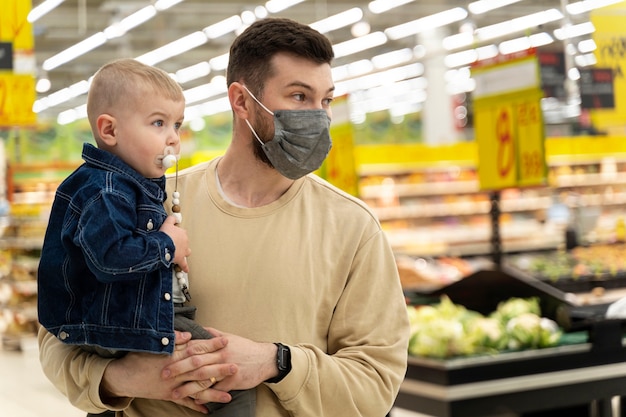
column 169, row 158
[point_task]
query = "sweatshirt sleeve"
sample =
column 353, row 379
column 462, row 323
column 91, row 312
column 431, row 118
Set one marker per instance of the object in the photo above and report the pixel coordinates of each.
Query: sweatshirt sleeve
column 75, row 372
column 367, row 346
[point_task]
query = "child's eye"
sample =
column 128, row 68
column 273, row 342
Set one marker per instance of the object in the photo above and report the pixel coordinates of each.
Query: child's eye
column 158, row 123
column 177, row 125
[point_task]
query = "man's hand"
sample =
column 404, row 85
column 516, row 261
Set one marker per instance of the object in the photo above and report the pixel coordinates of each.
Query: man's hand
column 255, row 362
column 145, row 375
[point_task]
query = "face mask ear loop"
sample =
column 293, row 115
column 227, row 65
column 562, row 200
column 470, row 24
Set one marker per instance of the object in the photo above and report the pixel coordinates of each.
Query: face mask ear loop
column 258, row 102
column 253, row 132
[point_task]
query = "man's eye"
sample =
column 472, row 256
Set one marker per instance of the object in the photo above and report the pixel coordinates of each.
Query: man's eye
column 327, row 101
column 299, row 97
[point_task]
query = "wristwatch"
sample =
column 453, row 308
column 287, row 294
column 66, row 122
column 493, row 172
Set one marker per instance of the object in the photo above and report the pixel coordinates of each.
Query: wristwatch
column 283, row 363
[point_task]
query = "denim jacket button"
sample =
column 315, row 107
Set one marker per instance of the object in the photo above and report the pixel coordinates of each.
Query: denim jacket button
column 165, row 341
column 150, row 225
column 63, row 335
column 168, row 256
column 167, row 296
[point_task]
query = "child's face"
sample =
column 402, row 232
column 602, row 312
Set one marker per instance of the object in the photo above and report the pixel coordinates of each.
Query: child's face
column 143, row 131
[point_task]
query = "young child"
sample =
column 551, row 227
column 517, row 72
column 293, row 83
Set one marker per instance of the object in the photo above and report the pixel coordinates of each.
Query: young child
column 113, row 266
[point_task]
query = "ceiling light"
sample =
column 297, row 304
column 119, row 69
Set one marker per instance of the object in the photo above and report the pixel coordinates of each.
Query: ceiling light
column 585, row 60
column 203, row 92
column 359, row 29
column 460, row 59
column 275, row 6
column 426, row 23
column 484, row 6
column 174, row 48
column 120, row 28
column 359, row 44
column 393, row 58
column 74, row 51
column 223, row 27
column 573, row 31
column 165, row 4
column 525, row 42
column 586, row 46
column 588, row 5
column 192, row 72
column 220, row 62
column 38, row 11
column 497, row 30
column 260, row 12
column 338, row 21
column 381, row 6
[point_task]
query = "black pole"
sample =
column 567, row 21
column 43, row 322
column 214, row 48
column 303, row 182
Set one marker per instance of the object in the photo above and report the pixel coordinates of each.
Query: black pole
column 496, row 241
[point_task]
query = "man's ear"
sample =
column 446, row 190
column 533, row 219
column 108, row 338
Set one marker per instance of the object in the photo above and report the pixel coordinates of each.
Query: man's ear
column 105, row 124
column 238, row 97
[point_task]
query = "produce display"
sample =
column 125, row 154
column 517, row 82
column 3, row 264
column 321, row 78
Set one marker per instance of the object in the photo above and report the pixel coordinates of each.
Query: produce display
column 603, row 265
column 446, row 330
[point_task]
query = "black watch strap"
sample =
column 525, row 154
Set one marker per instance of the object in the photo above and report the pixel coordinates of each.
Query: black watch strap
column 283, row 363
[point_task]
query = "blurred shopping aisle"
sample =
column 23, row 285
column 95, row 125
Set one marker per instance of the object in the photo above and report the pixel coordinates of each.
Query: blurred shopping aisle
column 25, row 391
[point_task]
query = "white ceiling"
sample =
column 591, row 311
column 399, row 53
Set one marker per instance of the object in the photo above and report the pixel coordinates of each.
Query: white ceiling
column 75, row 20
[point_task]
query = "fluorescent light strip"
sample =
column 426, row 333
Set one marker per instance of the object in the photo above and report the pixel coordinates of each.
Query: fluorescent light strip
column 339, row 20
column 359, row 44
column 223, row 27
column 573, row 31
column 588, row 5
column 42, row 9
column 426, row 23
column 275, row 6
column 382, row 6
column 74, row 51
column 497, row 30
column 177, row 47
column 484, row 6
column 120, row 28
column 525, row 42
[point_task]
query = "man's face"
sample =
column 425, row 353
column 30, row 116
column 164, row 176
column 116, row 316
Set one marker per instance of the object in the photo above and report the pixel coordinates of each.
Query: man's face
column 297, row 84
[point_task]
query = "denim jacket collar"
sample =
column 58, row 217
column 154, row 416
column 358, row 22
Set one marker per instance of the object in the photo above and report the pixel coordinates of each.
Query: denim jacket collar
column 94, row 157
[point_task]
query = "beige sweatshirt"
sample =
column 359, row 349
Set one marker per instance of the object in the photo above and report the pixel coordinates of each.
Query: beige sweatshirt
column 312, row 270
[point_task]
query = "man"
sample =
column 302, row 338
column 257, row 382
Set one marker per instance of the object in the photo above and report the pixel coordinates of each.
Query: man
column 297, row 275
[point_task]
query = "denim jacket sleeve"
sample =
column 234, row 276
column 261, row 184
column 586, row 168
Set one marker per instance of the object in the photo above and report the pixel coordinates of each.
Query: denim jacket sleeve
column 120, row 237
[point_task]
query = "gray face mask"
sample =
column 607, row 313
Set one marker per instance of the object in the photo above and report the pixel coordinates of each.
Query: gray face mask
column 301, row 140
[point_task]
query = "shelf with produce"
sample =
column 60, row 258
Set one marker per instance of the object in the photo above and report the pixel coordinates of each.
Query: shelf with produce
column 436, row 207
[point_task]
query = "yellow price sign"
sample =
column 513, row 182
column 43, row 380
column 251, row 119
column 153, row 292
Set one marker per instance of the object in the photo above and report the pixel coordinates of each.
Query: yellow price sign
column 510, row 138
column 531, row 149
column 17, row 95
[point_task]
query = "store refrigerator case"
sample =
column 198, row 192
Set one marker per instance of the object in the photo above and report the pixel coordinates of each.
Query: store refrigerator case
column 588, row 367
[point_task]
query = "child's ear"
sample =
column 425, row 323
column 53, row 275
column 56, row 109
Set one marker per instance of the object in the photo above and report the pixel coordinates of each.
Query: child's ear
column 106, row 129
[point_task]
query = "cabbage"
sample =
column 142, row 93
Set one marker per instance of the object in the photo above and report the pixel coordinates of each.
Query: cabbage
column 447, row 329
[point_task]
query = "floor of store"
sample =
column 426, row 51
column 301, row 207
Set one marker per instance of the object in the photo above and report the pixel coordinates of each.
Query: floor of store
column 25, row 391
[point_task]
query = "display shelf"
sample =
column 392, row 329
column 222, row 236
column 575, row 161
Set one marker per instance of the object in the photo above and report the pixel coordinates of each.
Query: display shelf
column 436, row 207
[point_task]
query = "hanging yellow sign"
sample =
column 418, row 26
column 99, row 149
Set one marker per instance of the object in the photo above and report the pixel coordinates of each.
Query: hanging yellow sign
column 509, row 123
column 17, row 94
column 17, row 78
column 14, row 27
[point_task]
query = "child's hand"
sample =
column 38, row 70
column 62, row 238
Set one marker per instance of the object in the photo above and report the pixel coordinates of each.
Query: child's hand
column 181, row 242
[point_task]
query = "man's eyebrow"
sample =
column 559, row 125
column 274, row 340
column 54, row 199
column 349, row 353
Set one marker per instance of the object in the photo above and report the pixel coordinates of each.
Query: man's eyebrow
column 307, row 86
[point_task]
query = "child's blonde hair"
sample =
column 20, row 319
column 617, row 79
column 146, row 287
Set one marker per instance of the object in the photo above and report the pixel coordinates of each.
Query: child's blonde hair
column 124, row 81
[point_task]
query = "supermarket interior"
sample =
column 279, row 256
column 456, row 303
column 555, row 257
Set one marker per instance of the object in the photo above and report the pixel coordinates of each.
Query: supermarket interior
column 487, row 136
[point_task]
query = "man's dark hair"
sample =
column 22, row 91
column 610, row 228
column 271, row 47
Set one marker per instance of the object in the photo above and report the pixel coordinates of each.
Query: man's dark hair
column 252, row 51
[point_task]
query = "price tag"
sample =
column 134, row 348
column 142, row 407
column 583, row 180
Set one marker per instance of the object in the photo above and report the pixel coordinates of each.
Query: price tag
column 17, row 95
column 509, row 124
column 532, row 166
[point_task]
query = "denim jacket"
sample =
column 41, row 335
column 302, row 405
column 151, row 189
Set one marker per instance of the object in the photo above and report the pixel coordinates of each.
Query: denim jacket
column 105, row 273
